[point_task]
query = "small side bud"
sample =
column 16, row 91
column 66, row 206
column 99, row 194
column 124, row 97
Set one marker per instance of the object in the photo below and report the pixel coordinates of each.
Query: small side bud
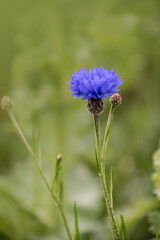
column 59, row 156
column 95, row 106
column 7, row 103
column 115, row 99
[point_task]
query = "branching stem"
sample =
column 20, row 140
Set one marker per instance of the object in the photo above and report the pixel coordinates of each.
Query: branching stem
column 100, row 149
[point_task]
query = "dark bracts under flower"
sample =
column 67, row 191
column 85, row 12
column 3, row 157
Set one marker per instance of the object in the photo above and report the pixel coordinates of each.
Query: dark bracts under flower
column 95, row 106
column 97, row 83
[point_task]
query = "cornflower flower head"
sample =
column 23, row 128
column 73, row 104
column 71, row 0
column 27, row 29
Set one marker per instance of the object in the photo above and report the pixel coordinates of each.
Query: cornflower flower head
column 98, row 83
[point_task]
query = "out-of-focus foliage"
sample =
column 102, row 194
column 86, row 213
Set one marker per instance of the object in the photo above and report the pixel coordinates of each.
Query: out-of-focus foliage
column 154, row 217
column 154, row 220
column 42, row 43
column 156, row 175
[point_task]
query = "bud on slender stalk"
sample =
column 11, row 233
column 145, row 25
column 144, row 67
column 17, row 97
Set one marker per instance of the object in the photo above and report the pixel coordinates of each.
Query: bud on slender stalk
column 95, row 106
column 59, row 156
column 7, row 103
column 115, row 100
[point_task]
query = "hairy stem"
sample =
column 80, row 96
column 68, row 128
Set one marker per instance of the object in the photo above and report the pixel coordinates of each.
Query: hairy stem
column 101, row 167
column 110, row 211
column 56, row 201
column 97, row 135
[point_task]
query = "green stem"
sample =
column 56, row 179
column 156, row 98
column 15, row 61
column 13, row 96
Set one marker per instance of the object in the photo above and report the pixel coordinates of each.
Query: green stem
column 57, row 203
column 97, row 135
column 107, row 131
column 101, row 167
column 13, row 120
column 110, row 211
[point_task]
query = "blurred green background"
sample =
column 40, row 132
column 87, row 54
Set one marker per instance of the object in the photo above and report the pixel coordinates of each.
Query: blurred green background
column 41, row 44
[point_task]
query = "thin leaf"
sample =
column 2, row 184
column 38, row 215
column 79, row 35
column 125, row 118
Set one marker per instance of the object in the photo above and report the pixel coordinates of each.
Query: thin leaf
column 77, row 235
column 157, row 238
column 117, row 224
column 97, row 158
column 88, row 236
column 123, row 231
column 57, row 184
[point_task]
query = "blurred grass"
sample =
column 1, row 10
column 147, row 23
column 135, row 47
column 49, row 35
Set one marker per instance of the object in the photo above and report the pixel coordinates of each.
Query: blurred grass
column 41, row 44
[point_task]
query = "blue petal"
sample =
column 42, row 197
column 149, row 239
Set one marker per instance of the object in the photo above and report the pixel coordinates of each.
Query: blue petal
column 97, row 83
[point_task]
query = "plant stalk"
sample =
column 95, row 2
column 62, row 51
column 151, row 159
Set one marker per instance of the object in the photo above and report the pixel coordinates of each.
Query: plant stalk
column 57, row 202
column 101, row 167
column 107, row 131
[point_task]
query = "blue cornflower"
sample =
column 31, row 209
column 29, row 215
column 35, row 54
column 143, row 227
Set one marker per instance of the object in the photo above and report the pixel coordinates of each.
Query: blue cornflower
column 97, row 83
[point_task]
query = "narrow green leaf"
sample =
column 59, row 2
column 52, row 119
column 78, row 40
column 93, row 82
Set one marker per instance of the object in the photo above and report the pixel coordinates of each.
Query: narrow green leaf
column 77, row 235
column 123, row 231
column 88, row 236
column 97, row 158
column 117, row 224
column 57, row 184
column 157, row 238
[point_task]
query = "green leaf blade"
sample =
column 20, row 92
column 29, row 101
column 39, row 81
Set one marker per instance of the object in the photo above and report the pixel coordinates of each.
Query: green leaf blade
column 123, row 230
column 57, row 184
column 157, row 237
column 77, row 235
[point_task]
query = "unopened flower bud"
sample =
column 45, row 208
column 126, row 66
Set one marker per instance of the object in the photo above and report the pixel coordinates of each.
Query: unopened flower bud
column 59, row 156
column 59, row 159
column 115, row 99
column 7, row 103
column 95, row 106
